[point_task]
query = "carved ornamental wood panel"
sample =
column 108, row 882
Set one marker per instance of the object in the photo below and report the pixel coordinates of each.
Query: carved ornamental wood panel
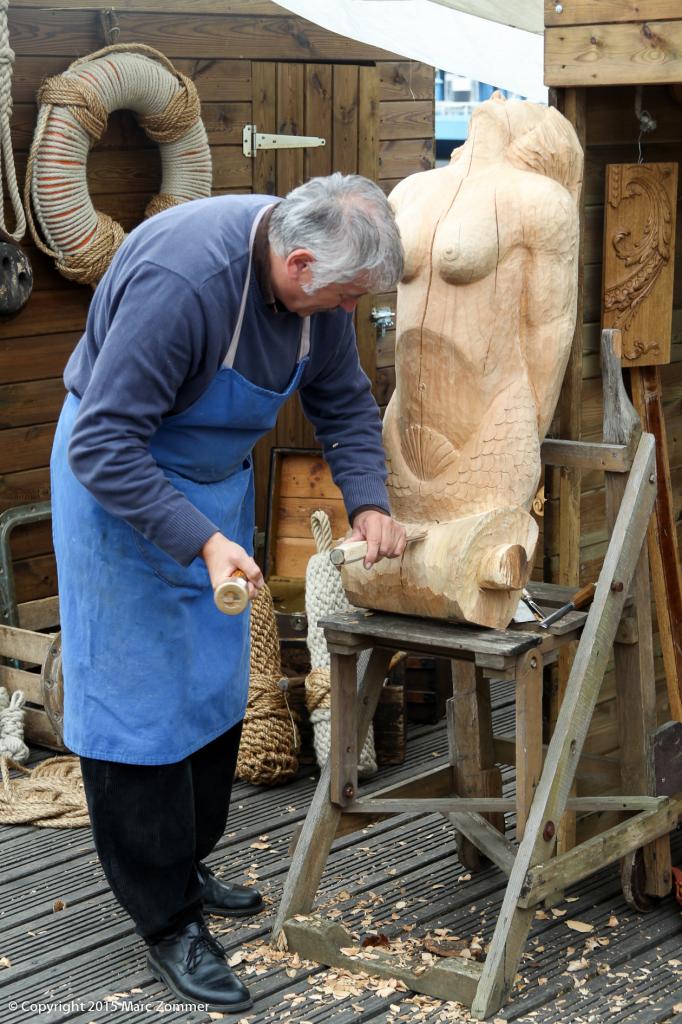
column 639, row 258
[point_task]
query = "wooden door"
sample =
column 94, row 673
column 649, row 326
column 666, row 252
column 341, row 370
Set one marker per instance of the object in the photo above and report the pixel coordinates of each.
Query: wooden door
column 339, row 103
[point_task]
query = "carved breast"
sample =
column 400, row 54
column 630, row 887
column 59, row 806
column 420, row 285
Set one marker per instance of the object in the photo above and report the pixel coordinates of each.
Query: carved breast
column 465, row 251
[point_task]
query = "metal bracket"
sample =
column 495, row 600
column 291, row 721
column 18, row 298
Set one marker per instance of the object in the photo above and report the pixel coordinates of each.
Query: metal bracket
column 109, row 26
column 383, row 319
column 253, row 140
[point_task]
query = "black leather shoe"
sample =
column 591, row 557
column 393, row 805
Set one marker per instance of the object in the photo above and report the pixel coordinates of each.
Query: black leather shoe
column 227, row 899
column 192, row 964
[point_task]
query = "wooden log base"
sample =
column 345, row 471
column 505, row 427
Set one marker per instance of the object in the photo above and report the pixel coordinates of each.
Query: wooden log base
column 441, row 577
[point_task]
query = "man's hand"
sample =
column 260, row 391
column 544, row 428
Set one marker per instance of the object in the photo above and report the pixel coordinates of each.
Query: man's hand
column 223, row 556
column 385, row 538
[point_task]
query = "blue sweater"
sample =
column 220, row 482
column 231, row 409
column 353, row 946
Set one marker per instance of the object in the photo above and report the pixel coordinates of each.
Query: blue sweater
column 157, row 332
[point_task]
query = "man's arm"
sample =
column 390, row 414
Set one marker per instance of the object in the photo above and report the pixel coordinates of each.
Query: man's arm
column 152, row 345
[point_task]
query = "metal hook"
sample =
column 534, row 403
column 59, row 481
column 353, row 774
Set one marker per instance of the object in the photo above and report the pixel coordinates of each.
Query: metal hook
column 109, row 25
column 647, row 123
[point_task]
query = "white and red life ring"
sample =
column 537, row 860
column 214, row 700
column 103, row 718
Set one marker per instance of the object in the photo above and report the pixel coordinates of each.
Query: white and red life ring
column 74, row 108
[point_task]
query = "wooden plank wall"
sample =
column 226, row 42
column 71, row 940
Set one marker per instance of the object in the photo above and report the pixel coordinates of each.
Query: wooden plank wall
column 215, row 42
column 611, row 136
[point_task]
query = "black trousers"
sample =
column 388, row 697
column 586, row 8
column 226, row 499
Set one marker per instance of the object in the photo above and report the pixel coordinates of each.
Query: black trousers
column 152, row 824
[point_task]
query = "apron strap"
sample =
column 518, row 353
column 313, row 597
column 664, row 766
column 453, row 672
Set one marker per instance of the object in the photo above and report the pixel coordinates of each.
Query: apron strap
column 228, row 361
column 304, row 346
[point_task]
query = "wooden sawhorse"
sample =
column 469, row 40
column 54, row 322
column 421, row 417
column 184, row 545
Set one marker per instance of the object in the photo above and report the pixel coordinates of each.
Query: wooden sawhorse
column 543, row 790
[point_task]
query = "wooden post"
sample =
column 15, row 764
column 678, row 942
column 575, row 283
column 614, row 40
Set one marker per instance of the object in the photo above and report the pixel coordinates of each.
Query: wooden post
column 528, row 734
column 470, row 738
column 634, row 662
column 664, row 554
column 573, row 105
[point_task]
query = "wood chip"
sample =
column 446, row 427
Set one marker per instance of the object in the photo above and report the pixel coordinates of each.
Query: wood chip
column 446, row 947
column 579, row 926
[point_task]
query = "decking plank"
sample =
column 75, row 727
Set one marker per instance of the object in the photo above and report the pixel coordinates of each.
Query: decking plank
column 89, row 950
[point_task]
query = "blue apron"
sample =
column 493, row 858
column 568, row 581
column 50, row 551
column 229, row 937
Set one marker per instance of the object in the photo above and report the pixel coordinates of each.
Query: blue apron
column 152, row 670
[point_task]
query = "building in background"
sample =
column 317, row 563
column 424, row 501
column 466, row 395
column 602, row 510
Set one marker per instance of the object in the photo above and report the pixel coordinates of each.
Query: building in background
column 456, row 99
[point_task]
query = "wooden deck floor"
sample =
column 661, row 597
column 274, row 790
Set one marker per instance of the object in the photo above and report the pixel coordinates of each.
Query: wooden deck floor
column 400, row 877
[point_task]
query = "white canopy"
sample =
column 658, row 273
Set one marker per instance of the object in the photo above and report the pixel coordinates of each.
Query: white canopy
column 436, row 33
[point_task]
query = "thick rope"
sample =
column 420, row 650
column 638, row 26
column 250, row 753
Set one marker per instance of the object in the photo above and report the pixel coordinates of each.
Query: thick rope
column 268, row 752
column 161, row 201
column 324, row 596
column 73, row 116
column 12, row 725
column 6, row 154
column 51, row 795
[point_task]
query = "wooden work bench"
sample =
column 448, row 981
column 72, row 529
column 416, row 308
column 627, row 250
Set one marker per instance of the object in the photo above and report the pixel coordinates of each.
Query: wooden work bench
column 468, row 790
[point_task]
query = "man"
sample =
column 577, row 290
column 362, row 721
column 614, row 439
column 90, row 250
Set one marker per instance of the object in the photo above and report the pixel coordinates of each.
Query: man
column 209, row 317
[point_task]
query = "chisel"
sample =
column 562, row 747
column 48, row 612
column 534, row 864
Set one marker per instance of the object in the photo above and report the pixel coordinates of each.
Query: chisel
column 579, row 600
column 356, row 550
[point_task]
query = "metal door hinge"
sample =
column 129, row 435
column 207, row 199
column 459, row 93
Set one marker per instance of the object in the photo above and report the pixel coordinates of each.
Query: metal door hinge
column 253, row 140
column 383, row 319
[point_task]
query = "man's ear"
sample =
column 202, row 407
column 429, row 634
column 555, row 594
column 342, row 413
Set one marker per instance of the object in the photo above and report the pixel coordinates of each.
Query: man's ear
column 297, row 265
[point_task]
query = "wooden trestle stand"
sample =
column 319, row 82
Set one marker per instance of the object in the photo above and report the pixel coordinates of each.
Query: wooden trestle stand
column 468, row 791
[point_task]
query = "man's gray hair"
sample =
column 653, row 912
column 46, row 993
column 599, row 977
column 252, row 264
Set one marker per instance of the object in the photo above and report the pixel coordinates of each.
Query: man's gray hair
column 345, row 221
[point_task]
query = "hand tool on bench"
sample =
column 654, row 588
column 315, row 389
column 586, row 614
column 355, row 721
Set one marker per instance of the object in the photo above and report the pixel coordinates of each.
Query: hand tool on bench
column 579, row 600
column 356, row 550
column 530, row 603
column 232, row 596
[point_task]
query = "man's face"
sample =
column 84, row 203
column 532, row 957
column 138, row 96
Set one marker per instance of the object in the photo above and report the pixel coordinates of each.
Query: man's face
column 292, row 275
column 332, row 296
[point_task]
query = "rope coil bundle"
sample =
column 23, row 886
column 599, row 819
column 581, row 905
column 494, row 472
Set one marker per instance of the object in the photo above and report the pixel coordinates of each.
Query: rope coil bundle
column 12, row 726
column 74, row 108
column 6, row 154
column 268, row 752
column 51, row 795
column 324, row 596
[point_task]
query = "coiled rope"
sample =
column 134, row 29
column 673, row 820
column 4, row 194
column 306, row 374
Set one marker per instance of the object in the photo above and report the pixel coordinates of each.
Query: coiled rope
column 324, row 596
column 268, row 752
column 51, row 795
column 6, row 155
column 74, row 108
column 12, row 725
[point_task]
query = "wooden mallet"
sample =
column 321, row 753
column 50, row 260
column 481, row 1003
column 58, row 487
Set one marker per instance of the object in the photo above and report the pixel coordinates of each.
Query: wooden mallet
column 232, row 596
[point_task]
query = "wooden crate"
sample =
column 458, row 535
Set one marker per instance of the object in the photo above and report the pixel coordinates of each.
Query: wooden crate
column 300, row 484
column 31, row 661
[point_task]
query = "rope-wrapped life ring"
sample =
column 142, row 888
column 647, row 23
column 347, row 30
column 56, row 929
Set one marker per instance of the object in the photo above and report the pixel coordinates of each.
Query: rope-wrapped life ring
column 74, row 108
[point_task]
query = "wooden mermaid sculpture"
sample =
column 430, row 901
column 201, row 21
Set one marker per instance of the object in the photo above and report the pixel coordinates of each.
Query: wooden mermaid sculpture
column 485, row 317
